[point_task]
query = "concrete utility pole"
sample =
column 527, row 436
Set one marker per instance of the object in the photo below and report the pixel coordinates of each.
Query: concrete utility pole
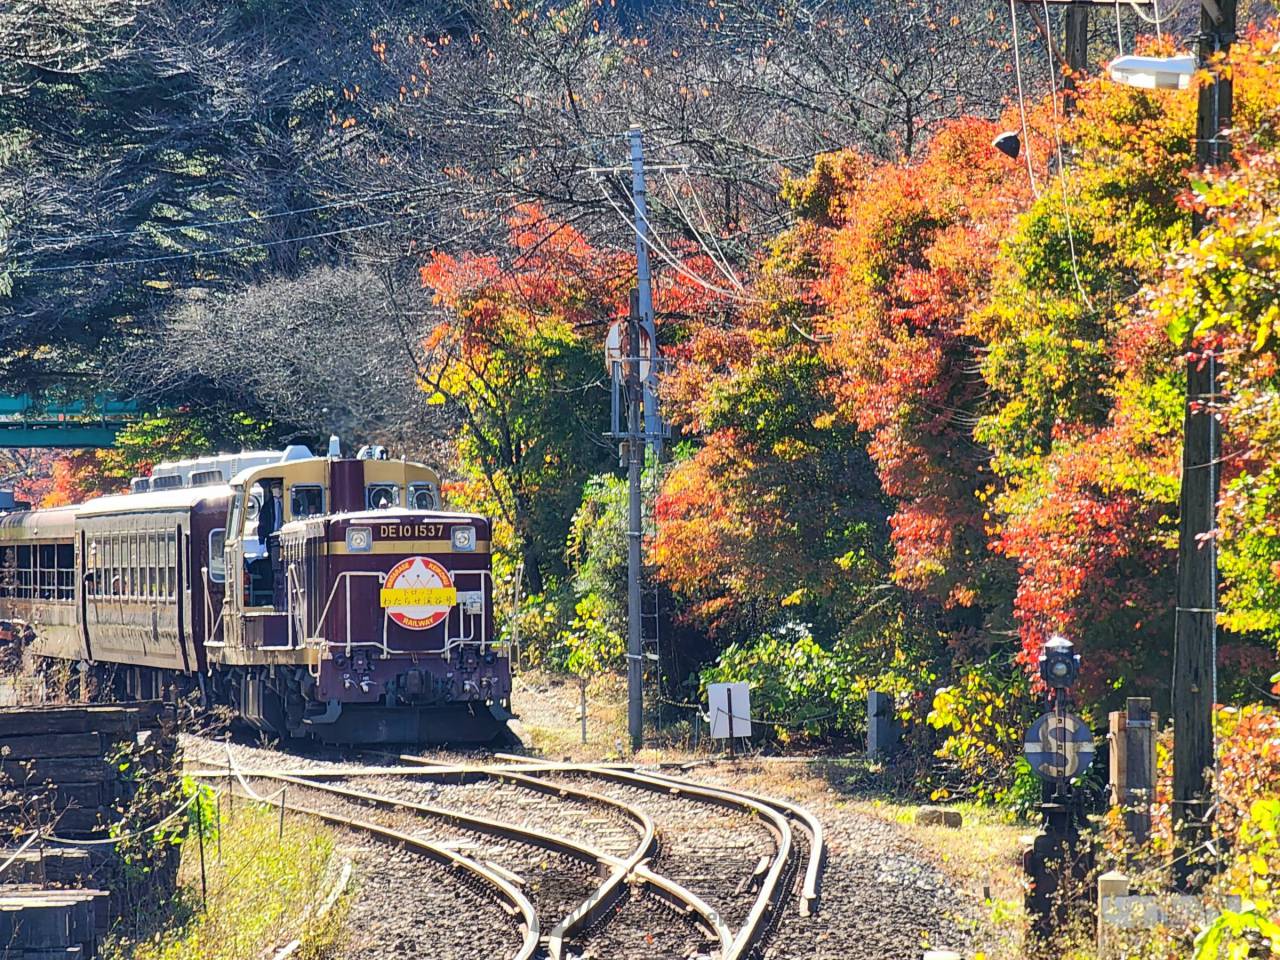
column 1195, row 624
column 635, row 464
column 644, row 284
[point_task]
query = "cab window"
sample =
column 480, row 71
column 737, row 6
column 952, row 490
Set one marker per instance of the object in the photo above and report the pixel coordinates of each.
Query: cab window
column 237, row 513
column 217, row 560
column 422, row 496
column 380, row 496
column 306, row 500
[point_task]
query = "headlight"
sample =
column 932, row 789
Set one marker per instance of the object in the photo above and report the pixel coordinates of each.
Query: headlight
column 464, row 538
column 359, row 539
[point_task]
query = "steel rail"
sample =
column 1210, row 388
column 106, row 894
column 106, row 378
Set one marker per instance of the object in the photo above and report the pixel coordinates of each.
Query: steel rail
column 770, row 894
column 810, row 891
column 216, row 768
column 635, row 865
column 509, row 897
column 618, row 870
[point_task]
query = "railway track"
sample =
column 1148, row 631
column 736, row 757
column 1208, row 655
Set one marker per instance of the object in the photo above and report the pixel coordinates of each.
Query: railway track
column 595, row 872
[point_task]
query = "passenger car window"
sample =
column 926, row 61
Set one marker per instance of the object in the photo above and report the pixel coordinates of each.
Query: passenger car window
column 217, row 560
column 306, row 500
column 380, row 496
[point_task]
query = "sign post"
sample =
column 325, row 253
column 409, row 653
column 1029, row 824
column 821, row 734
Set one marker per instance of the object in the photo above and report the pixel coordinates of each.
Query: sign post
column 729, row 706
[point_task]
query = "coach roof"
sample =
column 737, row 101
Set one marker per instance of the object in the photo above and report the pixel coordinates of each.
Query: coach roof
column 177, row 498
column 58, row 523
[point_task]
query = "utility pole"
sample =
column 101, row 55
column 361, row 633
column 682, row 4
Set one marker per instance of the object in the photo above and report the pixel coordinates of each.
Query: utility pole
column 1195, row 621
column 644, row 284
column 1077, row 30
column 635, row 464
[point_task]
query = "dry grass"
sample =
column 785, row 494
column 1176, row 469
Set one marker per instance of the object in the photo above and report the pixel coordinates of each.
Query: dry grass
column 262, row 890
column 549, row 720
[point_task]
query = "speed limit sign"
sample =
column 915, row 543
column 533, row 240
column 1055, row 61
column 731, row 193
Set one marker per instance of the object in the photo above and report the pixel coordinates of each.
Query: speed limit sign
column 1059, row 746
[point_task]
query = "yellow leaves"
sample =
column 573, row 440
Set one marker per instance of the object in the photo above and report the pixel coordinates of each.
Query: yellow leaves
column 1268, row 324
column 794, row 599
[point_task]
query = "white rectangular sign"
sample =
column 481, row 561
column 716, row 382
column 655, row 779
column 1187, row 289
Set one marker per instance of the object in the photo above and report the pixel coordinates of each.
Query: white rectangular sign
column 720, row 697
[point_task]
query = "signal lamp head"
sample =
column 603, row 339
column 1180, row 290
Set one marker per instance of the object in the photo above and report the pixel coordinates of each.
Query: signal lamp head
column 1059, row 663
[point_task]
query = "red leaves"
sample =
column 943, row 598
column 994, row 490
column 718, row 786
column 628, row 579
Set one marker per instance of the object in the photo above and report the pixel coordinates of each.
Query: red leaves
column 907, row 258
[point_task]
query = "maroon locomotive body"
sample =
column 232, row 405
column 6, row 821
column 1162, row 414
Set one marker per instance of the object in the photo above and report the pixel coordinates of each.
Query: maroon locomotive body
column 364, row 614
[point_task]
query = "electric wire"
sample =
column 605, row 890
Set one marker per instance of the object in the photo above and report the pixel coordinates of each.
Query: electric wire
column 1119, row 30
column 1154, row 20
column 671, row 256
column 721, row 262
column 1062, row 173
column 1022, row 103
column 210, row 224
column 671, row 260
column 711, row 231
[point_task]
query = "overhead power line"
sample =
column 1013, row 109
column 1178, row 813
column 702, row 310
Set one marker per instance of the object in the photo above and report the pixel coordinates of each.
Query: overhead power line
column 93, row 264
column 70, row 239
column 671, row 259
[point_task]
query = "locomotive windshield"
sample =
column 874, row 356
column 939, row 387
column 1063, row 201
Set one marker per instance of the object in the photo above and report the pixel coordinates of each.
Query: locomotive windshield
column 306, row 500
column 381, row 496
column 422, row 496
column 237, row 512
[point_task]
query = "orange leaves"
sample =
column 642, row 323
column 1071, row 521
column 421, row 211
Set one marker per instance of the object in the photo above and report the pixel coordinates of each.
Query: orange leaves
column 906, row 253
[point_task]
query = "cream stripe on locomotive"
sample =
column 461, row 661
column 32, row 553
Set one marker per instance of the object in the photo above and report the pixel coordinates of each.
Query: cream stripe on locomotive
column 339, row 549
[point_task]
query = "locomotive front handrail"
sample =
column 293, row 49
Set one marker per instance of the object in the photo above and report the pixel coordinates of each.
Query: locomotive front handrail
column 295, row 606
column 348, row 644
column 486, row 591
column 210, row 625
column 344, row 577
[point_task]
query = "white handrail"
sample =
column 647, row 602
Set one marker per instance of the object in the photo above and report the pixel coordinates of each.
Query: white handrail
column 209, row 624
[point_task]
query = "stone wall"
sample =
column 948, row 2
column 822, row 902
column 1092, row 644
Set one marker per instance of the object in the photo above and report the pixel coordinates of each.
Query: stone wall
column 71, row 773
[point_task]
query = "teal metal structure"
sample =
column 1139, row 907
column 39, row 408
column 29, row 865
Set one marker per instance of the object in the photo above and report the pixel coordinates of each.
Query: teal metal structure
column 71, row 424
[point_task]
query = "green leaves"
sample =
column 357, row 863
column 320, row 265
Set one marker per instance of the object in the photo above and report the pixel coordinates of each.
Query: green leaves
column 1231, row 929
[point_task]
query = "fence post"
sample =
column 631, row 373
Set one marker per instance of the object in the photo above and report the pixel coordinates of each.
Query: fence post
column 882, row 731
column 1133, row 764
column 204, row 890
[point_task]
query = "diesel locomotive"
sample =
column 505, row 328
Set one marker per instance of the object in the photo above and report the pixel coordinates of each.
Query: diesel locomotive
column 362, row 614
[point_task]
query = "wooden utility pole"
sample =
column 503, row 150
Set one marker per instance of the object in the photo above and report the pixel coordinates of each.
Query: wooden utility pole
column 1077, row 43
column 1195, row 624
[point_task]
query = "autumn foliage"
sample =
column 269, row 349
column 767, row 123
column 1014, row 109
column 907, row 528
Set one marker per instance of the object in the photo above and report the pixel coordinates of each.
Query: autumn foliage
column 984, row 332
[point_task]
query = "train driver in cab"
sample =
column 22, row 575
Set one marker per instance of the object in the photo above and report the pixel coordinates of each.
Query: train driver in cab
column 271, row 515
column 270, row 520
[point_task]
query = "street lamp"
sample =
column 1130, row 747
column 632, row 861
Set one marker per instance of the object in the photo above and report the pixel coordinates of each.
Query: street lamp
column 1153, row 73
